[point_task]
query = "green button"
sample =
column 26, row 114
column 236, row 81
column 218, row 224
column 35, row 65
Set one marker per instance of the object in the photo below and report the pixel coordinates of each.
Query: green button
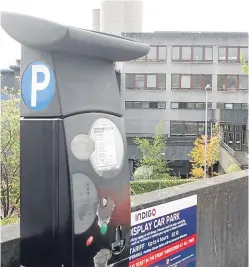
column 103, row 228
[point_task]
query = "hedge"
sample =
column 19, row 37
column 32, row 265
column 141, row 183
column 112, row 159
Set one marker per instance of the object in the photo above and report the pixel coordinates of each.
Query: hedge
column 144, row 186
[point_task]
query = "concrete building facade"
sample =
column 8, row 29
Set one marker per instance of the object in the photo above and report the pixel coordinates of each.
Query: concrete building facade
column 169, row 85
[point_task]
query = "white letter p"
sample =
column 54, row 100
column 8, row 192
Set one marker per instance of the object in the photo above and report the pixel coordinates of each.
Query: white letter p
column 38, row 86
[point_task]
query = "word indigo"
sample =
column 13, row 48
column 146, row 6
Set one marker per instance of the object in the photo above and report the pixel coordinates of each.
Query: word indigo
column 154, row 224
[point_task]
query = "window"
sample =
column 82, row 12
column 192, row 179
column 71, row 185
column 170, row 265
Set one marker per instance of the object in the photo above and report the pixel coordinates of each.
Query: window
column 145, row 104
column 244, row 52
column 198, row 53
column 199, row 105
column 157, row 81
column 182, row 105
column 193, row 128
column 153, row 105
column 190, row 128
column 221, row 82
column 190, row 105
column 232, row 54
column 137, row 104
column 209, row 105
column 128, row 104
column 197, row 81
column 156, row 53
column 236, row 106
column 152, row 55
column 194, row 81
column 186, row 53
column 207, row 79
column 185, row 81
column 145, row 81
column 192, row 53
column 129, row 80
column 244, row 106
column 162, row 105
column 228, row 106
column 220, row 105
column 176, row 128
column 201, row 128
column 174, row 105
column 243, row 82
column 232, row 106
column 208, row 53
column 175, row 78
column 139, row 80
column 162, row 53
column 232, row 82
column 151, row 81
column 161, row 80
column 222, row 54
column 175, row 53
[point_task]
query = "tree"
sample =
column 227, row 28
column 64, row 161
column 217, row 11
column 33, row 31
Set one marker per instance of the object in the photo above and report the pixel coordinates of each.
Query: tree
column 245, row 66
column 152, row 152
column 197, row 154
column 10, row 153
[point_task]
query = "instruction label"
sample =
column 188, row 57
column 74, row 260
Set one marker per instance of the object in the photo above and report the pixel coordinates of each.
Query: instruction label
column 105, row 147
column 165, row 235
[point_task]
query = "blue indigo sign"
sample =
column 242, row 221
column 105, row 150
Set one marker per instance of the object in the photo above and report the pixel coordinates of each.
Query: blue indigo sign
column 165, row 235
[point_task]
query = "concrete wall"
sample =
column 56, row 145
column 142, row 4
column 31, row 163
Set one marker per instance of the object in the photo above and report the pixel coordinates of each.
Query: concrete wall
column 222, row 220
column 117, row 16
column 95, row 19
column 226, row 159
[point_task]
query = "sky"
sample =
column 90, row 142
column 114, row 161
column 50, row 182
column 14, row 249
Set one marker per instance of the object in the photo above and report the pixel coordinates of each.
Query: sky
column 158, row 15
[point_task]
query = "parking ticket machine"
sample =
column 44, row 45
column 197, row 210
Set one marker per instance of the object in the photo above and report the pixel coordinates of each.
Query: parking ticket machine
column 75, row 195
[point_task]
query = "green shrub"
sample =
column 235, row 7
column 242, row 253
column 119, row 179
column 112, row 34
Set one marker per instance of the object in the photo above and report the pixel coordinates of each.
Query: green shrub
column 144, row 186
column 146, row 173
column 9, row 220
column 233, row 168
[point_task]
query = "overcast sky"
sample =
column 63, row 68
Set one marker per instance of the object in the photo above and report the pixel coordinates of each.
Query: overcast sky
column 159, row 15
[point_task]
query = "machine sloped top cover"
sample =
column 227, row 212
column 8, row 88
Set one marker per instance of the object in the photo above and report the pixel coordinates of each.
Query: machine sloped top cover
column 60, row 38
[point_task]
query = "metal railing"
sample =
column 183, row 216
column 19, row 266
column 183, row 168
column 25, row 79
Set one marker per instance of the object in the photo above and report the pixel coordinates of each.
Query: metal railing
column 228, row 148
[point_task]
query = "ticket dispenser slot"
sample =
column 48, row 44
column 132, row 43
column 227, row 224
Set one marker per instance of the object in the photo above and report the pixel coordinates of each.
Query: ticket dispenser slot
column 75, row 196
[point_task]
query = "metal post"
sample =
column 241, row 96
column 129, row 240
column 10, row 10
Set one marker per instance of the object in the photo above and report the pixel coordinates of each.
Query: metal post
column 206, row 117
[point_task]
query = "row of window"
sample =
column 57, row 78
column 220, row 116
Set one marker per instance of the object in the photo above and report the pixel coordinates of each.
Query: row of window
column 145, row 81
column 195, row 128
column 145, row 104
column 185, row 81
column 188, row 128
column 196, row 82
column 182, row 105
column 232, row 82
column 232, row 54
column 232, row 106
column 190, row 105
column 196, row 53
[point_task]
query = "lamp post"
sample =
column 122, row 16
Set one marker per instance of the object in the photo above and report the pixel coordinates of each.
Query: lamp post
column 208, row 87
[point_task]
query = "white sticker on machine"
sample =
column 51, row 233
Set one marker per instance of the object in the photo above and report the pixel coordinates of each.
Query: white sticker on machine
column 109, row 148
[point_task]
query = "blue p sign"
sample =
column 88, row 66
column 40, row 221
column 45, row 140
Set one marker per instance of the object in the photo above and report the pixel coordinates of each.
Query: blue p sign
column 38, row 85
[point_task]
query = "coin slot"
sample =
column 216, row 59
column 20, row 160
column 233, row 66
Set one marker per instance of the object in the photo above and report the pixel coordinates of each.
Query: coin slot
column 119, row 244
